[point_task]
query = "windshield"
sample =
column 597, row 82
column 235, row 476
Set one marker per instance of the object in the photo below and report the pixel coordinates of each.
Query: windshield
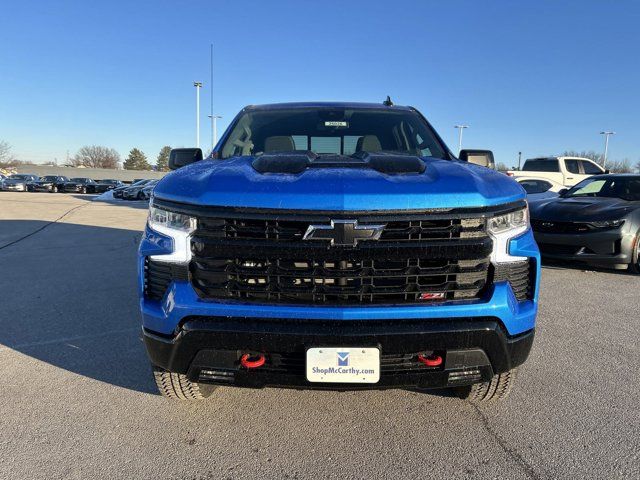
column 81, row 180
column 332, row 131
column 49, row 179
column 626, row 188
column 20, row 177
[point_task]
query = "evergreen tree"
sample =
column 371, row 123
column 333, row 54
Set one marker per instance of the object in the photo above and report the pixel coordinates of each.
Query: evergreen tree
column 162, row 162
column 136, row 161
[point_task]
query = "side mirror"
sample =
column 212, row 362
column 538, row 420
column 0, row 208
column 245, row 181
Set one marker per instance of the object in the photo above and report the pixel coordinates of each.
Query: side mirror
column 179, row 157
column 479, row 157
column 561, row 193
column 607, row 172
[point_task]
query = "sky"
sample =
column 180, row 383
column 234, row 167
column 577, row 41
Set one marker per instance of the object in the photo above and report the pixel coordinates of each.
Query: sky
column 537, row 77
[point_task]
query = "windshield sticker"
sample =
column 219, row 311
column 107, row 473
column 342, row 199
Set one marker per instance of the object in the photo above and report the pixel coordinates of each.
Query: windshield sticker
column 335, row 123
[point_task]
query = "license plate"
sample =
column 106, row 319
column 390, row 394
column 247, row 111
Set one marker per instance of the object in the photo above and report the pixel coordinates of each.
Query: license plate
column 343, row 365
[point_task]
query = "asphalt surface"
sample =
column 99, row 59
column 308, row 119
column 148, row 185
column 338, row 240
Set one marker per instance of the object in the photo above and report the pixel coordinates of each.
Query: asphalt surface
column 77, row 399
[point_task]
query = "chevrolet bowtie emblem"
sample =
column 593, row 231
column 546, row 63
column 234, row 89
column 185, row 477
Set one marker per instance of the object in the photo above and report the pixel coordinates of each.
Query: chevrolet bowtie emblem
column 343, row 232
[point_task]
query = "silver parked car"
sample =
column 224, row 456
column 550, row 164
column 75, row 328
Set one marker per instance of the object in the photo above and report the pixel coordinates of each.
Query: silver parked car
column 134, row 192
column 18, row 182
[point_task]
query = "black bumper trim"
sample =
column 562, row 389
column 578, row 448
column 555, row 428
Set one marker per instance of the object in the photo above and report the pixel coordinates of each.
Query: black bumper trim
column 464, row 342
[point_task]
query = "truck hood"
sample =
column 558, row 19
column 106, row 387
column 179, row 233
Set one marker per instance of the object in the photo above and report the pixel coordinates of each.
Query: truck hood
column 235, row 183
column 581, row 209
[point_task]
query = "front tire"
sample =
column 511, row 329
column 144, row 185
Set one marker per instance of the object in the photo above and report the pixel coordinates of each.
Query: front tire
column 54, row 189
column 498, row 388
column 178, row 386
column 83, row 190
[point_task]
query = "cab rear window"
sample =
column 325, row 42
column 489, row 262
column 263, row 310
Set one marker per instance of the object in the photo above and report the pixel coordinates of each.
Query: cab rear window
column 542, row 165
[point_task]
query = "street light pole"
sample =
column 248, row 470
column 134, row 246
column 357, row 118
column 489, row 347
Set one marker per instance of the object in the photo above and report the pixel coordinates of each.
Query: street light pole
column 214, row 130
column 460, row 128
column 606, row 145
column 519, row 158
column 198, row 86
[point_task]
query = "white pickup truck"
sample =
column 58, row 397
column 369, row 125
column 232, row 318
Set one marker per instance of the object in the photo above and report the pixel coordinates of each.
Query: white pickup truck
column 566, row 171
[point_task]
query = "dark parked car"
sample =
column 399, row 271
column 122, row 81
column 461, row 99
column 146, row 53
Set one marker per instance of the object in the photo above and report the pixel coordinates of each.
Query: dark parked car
column 77, row 185
column 118, row 192
column 104, row 185
column 49, row 183
column 147, row 190
column 597, row 222
column 18, row 182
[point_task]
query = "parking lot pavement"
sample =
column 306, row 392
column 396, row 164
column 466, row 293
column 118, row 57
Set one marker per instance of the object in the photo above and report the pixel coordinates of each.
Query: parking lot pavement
column 77, row 400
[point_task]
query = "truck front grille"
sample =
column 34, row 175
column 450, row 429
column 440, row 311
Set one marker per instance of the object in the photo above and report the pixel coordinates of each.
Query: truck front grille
column 279, row 230
column 262, row 257
column 303, row 280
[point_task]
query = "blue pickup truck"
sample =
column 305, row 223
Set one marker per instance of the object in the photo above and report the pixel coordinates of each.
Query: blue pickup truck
column 340, row 246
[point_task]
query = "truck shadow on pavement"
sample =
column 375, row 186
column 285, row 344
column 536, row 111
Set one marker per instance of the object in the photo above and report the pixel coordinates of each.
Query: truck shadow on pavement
column 69, row 298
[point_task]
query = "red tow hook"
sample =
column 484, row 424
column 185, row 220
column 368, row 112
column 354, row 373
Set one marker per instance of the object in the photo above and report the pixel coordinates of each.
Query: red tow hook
column 432, row 360
column 250, row 361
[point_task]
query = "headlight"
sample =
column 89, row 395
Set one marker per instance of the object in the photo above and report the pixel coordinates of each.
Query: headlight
column 502, row 229
column 607, row 224
column 174, row 221
column 509, row 221
column 179, row 227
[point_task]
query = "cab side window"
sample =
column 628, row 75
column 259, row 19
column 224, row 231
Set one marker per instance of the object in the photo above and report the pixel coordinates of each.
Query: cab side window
column 572, row 166
column 590, row 168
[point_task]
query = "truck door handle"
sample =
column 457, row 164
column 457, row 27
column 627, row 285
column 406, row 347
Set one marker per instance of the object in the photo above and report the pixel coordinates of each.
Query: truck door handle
column 569, row 178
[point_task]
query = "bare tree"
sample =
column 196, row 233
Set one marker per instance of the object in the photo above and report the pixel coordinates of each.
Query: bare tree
column 619, row 166
column 96, row 156
column 638, row 166
column 6, row 157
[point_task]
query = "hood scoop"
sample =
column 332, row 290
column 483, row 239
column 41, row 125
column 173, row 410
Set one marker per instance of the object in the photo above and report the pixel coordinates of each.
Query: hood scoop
column 297, row 162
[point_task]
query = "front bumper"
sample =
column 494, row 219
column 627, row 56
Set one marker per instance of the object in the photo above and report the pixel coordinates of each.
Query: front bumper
column 608, row 247
column 208, row 349
column 14, row 188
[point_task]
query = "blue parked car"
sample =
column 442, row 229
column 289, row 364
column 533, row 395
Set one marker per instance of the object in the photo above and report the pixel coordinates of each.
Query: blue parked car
column 336, row 245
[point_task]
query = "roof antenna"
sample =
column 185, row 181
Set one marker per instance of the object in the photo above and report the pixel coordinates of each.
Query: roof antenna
column 388, row 102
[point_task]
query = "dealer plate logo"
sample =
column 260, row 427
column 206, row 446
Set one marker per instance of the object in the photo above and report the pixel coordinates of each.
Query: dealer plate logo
column 343, row 359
